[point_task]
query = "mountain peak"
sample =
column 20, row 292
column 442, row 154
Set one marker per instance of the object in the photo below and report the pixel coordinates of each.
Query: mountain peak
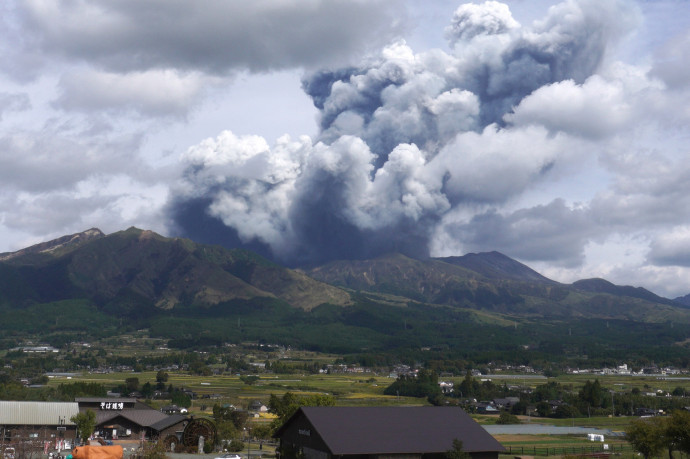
column 56, row 245
column 496, row 265
column 598, row 285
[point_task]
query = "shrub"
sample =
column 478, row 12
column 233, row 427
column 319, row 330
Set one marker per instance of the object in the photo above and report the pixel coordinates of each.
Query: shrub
column 235, row 446
column 507, row 418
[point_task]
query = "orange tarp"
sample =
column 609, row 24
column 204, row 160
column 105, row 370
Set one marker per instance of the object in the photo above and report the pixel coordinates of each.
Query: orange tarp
column 97, row 452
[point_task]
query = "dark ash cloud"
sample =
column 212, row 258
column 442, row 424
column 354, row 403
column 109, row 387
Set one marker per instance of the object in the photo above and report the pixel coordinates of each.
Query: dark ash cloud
column 414, row 145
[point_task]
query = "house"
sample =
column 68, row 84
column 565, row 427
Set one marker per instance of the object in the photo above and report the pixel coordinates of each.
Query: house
column 505, row 403
column 378, row 432
column 485, row 408
column 258, row 407
column 173, row 409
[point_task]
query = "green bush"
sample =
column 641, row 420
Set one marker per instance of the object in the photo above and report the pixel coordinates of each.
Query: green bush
column 507, row 418
column 236, row 446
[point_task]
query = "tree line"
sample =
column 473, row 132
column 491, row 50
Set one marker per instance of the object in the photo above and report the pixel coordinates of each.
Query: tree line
column 651, row 436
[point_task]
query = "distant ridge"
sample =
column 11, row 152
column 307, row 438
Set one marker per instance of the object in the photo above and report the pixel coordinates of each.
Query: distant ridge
column 683, row 300
column 60, row 244
column 136, row 271
column 598, row 285
column 495, row 265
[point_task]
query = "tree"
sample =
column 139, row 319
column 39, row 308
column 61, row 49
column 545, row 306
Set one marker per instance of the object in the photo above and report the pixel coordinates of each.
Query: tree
column 262, row 431
column 179, row 398
column 592, row 393
column 566, row 411
column 226, row 430
column 86, row 423
column 468, row 386
column 647, row 436
column 285, row 406
column 425, row 384
column 132, row 384
column 456, row 452
column 161, row 379
column 678, row 431
column 236, row 445
column 249, row 379
column 507, row 418
column 147, row 390
column 678, row 392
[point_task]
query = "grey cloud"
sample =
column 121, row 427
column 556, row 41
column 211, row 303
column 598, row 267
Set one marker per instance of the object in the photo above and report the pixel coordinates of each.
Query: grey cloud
column 48, row 213
column 671, row 63
column 56, row 159
column 552, row 232
column 671, row 249
column 651, row 188
column 13, row 103
column 214, row 37
column 153, row 93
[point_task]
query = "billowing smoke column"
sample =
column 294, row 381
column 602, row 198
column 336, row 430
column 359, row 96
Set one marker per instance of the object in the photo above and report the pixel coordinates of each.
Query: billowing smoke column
column 407, row 143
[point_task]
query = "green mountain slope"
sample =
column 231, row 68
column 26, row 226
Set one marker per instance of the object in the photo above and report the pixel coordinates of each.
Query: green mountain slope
column 484, row 307
column 134, row 269
column 493, row 282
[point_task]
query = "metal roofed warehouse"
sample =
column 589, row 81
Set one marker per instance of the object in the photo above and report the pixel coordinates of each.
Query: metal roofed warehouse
column 32, row 424
column 37, row 413
column 423, row 432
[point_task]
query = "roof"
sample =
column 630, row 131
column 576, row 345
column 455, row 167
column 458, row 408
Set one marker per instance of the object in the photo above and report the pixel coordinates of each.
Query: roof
column 396, row 430
column 169, row 421
column 37, row 413
column 144, row 418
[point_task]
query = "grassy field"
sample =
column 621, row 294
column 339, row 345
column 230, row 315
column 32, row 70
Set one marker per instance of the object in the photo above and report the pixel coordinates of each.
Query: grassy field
column 363, row 388
column 561, row 445
column 348, row 389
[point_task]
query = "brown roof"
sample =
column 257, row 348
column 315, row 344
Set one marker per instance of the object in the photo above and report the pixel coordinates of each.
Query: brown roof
column 396, row 430
column 167, row 422
column 144, row 418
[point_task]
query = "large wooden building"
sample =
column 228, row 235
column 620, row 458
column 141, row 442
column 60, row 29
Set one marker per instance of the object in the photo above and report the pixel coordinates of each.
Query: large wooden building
column 122, row 418
column 383, row 432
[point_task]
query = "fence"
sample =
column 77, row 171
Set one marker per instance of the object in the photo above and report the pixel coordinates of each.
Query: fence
column 589, row 450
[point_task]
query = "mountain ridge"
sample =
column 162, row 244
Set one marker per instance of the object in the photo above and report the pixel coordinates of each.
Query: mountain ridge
column 141, row 268
column 164, row 271
column 61, row 244
column 201, row 296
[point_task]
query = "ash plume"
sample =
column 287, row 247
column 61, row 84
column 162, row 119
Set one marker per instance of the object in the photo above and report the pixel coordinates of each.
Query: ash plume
column 408, row 142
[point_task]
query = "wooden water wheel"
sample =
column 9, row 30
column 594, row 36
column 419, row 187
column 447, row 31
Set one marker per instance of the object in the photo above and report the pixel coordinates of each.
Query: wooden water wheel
column 196, row 428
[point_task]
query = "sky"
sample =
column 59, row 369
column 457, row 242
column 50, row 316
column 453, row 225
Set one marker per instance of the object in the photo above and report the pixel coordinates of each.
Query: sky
column 316, row 130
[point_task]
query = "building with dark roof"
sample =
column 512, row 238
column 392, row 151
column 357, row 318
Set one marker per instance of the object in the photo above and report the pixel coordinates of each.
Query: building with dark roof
column 118, row 418
column 375, row 432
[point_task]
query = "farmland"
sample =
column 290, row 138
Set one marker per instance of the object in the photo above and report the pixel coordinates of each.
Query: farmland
column 241, row 374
